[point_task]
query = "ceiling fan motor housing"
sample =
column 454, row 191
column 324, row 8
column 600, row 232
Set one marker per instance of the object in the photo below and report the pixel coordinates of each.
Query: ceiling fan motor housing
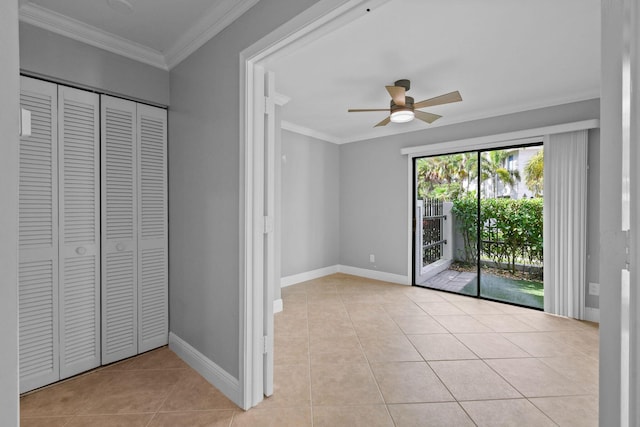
column 405, row 83
column 408, row 105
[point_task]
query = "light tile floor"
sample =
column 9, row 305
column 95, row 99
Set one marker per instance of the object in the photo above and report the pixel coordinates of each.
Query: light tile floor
column 359, row 352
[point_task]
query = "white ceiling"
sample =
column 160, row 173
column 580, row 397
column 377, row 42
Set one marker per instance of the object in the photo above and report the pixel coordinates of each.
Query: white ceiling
column 502, row 55
column 158, row 32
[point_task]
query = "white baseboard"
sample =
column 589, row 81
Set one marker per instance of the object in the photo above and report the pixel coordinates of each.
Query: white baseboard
column 213, row 373
column 277, row 306
column 355, row 271
column 375, row 274
column 308, row 275
column 592, row 314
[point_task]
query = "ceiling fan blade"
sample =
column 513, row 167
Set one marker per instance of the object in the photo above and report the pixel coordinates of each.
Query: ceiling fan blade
column 397, row 93
column 439, row 100
column 384, row 122
column 364, row 110
column 426, row 117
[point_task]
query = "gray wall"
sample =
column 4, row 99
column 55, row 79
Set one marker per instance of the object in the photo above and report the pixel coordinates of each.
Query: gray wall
column 374, row 182
column 204, row 171
column 373, row 205
column 310, row 204
column 9, row 107
column 63, row 59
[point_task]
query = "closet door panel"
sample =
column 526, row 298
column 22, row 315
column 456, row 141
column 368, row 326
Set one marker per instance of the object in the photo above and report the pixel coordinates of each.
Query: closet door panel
column 153, row 310
column 119, row 229
column 79, row 196
column 38, row 238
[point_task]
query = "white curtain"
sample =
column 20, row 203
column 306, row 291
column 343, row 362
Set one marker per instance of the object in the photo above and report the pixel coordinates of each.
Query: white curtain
column 565, row 223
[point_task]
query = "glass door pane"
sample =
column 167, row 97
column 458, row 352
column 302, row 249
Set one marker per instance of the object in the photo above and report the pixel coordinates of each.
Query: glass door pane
column 446, row 222
column 511, row 225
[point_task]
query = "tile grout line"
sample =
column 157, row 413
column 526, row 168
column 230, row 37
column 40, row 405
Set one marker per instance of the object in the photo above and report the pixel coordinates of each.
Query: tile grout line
column 173, row 387
column 434, row 372
column 375, row 379
column 458, row 402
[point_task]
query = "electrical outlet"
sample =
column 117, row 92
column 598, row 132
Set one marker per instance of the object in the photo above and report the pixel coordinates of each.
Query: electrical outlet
column 372, row 258
column 594, row 288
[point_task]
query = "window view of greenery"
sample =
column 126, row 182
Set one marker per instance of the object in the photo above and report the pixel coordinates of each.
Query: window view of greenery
column 511, row 221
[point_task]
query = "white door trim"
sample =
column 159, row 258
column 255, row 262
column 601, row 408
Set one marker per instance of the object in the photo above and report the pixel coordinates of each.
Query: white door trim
column 320, row 19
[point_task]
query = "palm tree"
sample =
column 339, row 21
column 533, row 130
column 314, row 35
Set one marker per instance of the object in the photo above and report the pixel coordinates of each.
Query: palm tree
column 444, row 173
column 428, row 175
column 534, row 173
column 492, row 167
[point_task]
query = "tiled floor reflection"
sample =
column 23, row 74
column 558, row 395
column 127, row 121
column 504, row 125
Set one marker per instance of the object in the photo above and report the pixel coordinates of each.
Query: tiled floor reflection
column 357, row 352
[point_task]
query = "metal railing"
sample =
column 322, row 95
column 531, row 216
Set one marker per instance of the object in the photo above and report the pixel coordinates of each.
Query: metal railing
column 432, row 231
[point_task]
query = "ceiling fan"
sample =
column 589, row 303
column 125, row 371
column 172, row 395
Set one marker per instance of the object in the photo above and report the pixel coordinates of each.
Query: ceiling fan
column 403, row 109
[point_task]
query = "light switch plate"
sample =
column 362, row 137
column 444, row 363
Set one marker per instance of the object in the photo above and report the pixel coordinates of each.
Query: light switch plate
column 594, row 288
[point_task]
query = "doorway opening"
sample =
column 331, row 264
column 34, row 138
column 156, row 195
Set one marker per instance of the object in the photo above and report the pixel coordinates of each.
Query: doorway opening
column 478, row 224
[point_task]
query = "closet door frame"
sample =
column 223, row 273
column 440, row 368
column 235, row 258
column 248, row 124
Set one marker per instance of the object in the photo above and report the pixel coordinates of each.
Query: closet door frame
column 72, row 320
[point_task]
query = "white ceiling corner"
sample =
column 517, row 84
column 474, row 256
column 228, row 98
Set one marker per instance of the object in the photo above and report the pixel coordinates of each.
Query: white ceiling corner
column 60, row 24
column 292, row 127
column 215, row 20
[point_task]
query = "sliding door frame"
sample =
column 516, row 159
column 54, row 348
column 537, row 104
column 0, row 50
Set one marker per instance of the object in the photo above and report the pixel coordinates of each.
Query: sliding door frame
column 521, row 137
column 477, row 146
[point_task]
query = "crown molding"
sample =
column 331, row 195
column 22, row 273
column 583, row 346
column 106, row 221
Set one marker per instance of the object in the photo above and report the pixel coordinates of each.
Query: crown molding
column 292, row 127
column 211, row 23
column 88, row 34
column 217, row 18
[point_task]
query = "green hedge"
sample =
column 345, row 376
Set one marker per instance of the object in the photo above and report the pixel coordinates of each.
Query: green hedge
column 511, row 230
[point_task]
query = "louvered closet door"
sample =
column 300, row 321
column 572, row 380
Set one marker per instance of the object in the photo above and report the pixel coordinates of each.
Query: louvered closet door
column 38, row 238
column 79, row 196
column 119, row 231
column 152, row 228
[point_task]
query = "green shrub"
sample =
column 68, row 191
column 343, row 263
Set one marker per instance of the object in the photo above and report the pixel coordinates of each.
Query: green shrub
column 465, row 211
column 510, row 230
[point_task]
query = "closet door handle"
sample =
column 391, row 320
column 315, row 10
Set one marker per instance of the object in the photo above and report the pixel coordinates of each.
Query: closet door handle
column 120, row 247
column 81, row 250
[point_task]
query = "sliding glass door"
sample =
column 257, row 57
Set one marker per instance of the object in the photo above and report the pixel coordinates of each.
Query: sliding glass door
column 446, row 222
column 511, row 225
column 478, row 219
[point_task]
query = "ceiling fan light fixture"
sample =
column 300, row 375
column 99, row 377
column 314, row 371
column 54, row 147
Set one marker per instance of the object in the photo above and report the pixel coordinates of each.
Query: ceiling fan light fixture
column 402, row 116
